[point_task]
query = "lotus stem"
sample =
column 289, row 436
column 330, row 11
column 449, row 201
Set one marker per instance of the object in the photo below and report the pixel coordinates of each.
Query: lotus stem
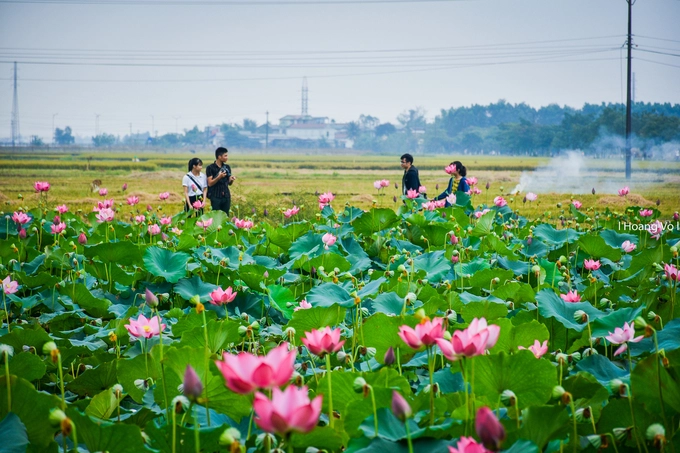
column 630, row 403
column 174, row 430
column 408, row 436
column 160, row 337
column 430, row 366
column 207, row 366
column 375, row 410
column 4, row 302
column 75, row 436
column 9, row 389
column 197, row 437
column 574, row 441
column 61, row 381
column 330, row 391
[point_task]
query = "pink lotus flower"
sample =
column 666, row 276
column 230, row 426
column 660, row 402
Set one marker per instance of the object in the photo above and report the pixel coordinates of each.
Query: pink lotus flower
column 426, row 333
column 430, row 205
column 106, row 204
column 623, row 336
column 221, row 297
column 537, row 348
column 82, row 239
column 198, row 204
column 500, row 201
column 61, row 209
column 479, row 214
column 9, row 286
column 304, row 305
column 671, row 272
column 124, row 187
column 105, row 215
column 577, row 204
column 450, row 169
column 470, row 342
column 530, row 196
column 142, row 327
column 453, row 238
column 58, row 228
column 177, row 231
column 141, row 218
column 455, row 259
column 377, row 184
column 422, row 189
column 192, row 387
column 450, row 199
column 56, row 219
column 328, row 239
column 205, row 224
column 571, row 296
column 132, row 200
column 164, row 195
column 22, row 233
column 41, row 186
column 475, row 191
column 411, row 193
column 676, row 215
column 468, row 445
column 384, row 182
column 153, row 229
column 471, row 181
column 624, row 191
column 166, row 220
column 242, row 224
column 489, row 429
column 656, row 229
column 289, row 410
column 288, row 213
column 326, row 198
column 324, row 341
column 646, row 212
column 591, row 265
column 244, row 373
column 628, row 246
column 21, row 218
column 103, row 192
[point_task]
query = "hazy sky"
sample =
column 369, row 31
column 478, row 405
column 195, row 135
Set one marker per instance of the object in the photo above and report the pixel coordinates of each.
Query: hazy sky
column 195, row 63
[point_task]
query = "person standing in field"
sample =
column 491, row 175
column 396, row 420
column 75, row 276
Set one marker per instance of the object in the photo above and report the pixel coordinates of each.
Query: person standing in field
column 195, row 186
column 219, row 179
column 457, row 181
column 410, row 180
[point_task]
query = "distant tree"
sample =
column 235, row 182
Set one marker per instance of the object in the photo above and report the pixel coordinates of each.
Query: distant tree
column 169, row 140
column 36, row 141
column 413, row 118
column 368, row 122
column 353, row 130
column 249, row 125
column 64, row 137
column 472, row 141
column 385, row 129
column 103, row 140
column 194, row 136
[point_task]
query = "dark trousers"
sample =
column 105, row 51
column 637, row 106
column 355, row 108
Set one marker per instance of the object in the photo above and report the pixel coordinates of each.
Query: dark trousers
column 190, row 209
column 221, row 203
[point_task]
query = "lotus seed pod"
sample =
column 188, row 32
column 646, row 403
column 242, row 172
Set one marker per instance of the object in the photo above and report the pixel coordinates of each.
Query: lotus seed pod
column 561, row 358
column 242, row 331
column 582, row 415
column 255, row 325
column 452, row 316
column 49, row 347
column 141, row 384
column 595, row 440
column 359, row 385
column 370, row 352
column 587, row 352
column 365, row 312
column 656, row 433
column 341, row 356
column 563, row 260
column 56, row 416
column 229, row 436
column 575, row 357
column 620, row 434
column 580, row 316
column 420, row 314
column 508, row 398
column 370, row 272
column 260, row 440
column 536, row 269
column 558, row 391
column 640, row 322
column 289, row 332
column 674, row 249
column 410, row 298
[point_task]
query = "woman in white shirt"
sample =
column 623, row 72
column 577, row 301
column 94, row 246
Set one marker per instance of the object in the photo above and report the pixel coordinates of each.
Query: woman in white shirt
column 195, row 186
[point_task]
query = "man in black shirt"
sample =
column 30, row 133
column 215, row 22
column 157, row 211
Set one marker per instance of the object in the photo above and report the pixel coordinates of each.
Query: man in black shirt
column 219, row 179
column 410, row 180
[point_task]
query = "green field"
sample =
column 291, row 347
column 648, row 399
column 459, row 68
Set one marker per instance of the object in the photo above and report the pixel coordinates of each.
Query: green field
column 278, row 180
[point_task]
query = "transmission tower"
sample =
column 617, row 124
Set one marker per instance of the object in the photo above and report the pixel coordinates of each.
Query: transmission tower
column 16, row 136
column 304, row 96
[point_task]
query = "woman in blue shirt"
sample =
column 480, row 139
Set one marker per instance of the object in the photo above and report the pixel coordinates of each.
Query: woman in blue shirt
column 457, row 180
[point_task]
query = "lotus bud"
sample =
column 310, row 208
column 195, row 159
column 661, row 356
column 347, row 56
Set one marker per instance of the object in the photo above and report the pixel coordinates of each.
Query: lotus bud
column 150, row 298
column 580, row 316
column 192, row 387
column 400, row 406
column 508, row 398
column 389, row 358
column 657, row 434
column 489, row 429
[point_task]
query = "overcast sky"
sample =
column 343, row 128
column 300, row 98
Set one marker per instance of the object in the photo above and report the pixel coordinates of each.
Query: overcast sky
column 196, row 63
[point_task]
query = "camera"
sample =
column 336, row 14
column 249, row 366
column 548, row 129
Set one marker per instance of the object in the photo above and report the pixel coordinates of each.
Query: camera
column 224, row 169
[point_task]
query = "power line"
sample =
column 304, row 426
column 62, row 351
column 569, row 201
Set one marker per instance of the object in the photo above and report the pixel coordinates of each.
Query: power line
column 658, row 62
column 658, row 39
column 657, row 52
column 221, row 2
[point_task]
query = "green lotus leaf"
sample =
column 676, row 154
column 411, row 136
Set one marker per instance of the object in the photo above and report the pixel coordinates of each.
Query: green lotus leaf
column 550, row 305
column 434, row 263
column 615, row 239
column 597, row 247
column 194, row 286
column 376, row 219
column 542, row 424
column 80, row 295
column 13, row 434
column 103, row 404
column 315, row 318
column 328, row 294
column 530, row 378
column 103, row 436
column 165, row 263
column 309, row 245
column 484, row 224
column 28, row 366
column 94, row 380
column 555, row 238
column 124, row 252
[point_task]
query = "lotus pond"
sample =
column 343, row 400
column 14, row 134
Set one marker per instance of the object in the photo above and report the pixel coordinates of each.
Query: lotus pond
column 467, row 328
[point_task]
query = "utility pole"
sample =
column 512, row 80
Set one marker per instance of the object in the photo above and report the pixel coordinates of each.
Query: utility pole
column 96, row 124
column 266, row 133
column 305, row 99
column 153, row 127
column 54, row 131
column 176, row 118
column 628, row 89
column 16, row 135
